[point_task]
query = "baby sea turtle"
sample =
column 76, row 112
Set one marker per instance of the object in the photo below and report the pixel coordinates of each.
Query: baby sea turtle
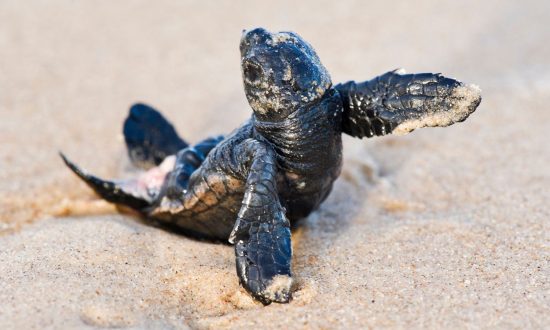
column 279, row 165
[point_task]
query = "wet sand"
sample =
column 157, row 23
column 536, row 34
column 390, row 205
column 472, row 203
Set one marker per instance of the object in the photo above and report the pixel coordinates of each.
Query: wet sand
column 441, row 228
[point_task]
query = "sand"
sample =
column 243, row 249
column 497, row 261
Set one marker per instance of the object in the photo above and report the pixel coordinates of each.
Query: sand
column 441, row 228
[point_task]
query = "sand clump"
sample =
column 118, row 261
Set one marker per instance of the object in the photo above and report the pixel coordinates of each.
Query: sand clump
column 242, row 300
column 278, row 287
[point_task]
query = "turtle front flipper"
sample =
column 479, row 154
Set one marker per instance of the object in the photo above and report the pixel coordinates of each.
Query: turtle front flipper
column 262, row 232
column 149, row 137
column 400, row 103
column 138, row 194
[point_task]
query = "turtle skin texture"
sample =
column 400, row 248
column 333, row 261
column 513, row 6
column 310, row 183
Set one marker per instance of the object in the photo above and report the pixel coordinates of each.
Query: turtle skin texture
column 276, row 168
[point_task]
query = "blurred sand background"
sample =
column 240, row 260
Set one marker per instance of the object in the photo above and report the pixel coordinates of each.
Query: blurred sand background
column 442, row 228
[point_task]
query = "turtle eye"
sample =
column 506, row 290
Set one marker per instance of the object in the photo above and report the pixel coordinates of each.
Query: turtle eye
column 252, row 72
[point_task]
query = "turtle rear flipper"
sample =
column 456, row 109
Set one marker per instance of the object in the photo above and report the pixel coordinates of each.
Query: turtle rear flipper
column 138, row 194
column 150, row 137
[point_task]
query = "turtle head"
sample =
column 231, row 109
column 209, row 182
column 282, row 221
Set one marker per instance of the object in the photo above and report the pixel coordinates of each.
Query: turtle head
column 281, row 73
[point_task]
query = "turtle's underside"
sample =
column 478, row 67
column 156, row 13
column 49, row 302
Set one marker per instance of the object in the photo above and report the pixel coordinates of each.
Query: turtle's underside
column 279, row 165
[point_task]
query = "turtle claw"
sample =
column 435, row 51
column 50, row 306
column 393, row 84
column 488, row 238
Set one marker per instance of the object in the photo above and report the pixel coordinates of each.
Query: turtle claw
column 114, row 192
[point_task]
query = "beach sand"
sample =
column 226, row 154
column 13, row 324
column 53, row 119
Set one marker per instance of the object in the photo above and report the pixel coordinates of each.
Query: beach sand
column 441, row 228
